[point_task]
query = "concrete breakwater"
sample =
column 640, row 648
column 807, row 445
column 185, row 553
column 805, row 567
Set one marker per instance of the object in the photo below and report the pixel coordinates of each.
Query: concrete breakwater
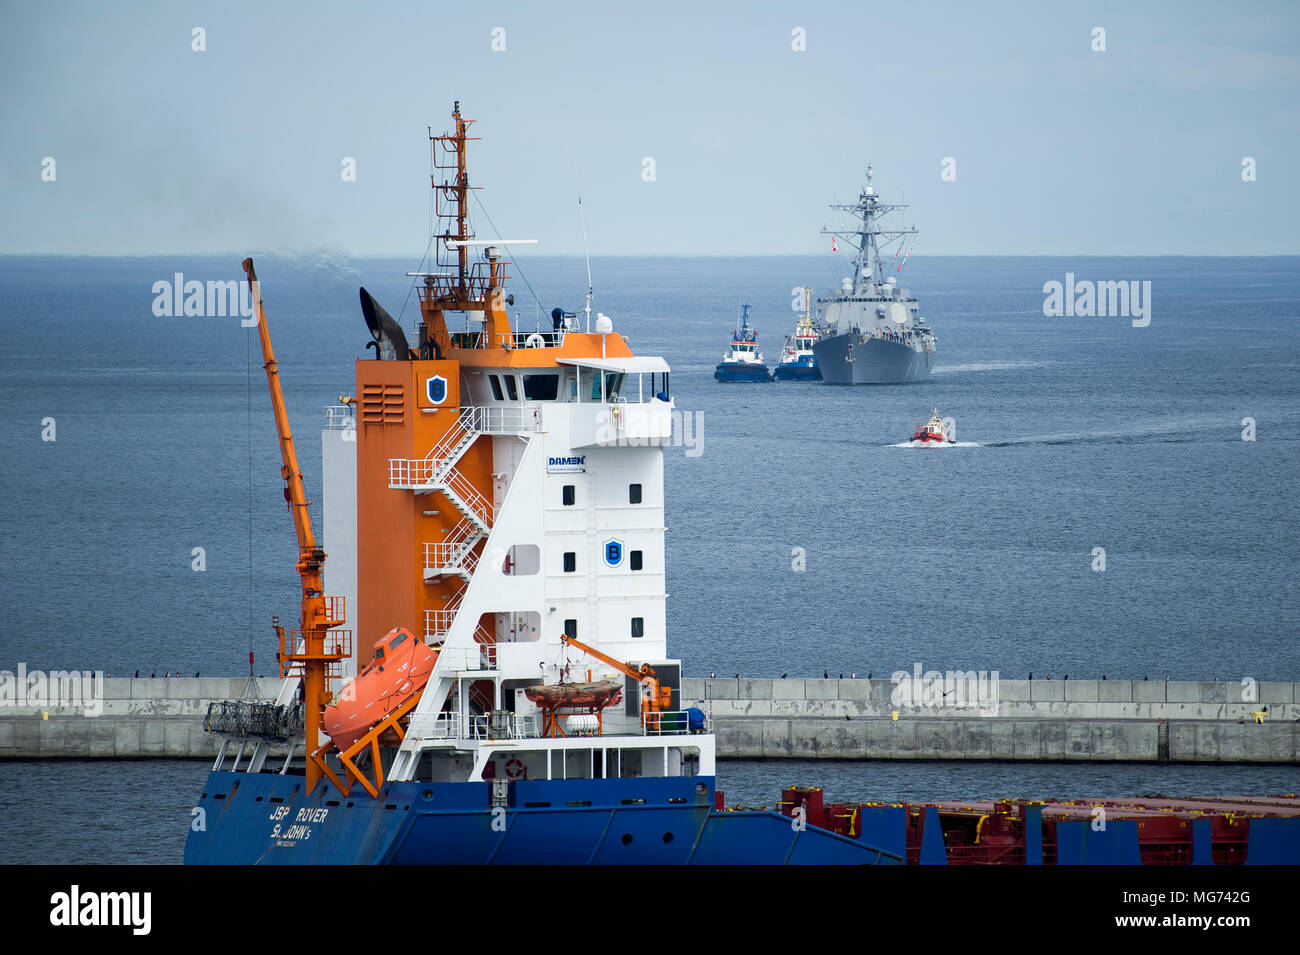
column 1157, row 721
column 1100, row 720
column 134, row 718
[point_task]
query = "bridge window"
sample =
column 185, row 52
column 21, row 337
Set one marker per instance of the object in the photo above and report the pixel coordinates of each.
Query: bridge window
column 638, row 626
column 496, row 387
column 541, row 387
column 512, row 389
column 634, row 493
column 613, row 385
column 636, row 560
column 570, row 561
column 570, row 495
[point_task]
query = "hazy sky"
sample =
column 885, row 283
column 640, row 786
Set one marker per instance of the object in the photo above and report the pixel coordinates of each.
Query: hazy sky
column 1058, row 149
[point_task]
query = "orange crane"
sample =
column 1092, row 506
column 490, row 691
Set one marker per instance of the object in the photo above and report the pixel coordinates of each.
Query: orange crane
column 656, row 697
column 313, row 652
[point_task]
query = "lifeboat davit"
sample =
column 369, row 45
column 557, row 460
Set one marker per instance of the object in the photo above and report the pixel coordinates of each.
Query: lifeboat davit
column 932, row 431
column 599, row 694
column 400, row 669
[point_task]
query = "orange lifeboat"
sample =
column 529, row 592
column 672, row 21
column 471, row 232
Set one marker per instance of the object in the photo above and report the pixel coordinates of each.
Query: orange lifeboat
column 600, row 694
column 400, row 669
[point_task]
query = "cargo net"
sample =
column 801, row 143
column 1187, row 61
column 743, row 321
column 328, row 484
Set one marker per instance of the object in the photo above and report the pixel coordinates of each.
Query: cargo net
column 267, row 721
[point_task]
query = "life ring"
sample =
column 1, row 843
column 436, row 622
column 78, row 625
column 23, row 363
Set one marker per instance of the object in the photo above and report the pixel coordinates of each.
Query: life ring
column 514, row 768
column 534, row 341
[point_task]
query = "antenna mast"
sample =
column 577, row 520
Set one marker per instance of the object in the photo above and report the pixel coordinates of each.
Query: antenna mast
column 587, row 252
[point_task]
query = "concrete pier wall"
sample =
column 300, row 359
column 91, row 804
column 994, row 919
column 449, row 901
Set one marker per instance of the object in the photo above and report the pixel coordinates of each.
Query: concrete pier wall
column 136, row 718
column 800, row 718
column 1101, row 720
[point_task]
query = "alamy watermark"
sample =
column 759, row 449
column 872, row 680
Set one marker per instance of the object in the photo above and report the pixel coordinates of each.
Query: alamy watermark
column 1086, row 299
column 640, row 425
column 81, row 689
column 195, row 299
column 954, row 689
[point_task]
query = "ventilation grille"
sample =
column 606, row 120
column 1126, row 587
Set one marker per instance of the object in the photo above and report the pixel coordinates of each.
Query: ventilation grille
column 383, row 404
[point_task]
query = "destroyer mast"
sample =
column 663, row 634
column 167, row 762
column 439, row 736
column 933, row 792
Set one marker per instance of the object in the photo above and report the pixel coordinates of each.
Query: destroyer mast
column 869, row 207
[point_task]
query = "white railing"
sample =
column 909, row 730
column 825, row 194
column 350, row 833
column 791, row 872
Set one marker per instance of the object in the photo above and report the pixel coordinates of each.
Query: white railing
column 340, row 418
column 437, row 623
column 409, row 473
column 669, row 723
column 457, row 551
column 474, row 420
column 507, row 340
column 458, row 726
column 469, row 496
column 510, row 419
column 451, row 557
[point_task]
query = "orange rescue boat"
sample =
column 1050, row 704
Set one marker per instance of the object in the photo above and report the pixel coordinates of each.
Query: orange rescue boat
column 400, row 669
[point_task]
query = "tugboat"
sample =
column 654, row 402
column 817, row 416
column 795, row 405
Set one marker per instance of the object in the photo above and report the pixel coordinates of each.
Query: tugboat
column 743, row 362
column 932, row 432
column 798, row 361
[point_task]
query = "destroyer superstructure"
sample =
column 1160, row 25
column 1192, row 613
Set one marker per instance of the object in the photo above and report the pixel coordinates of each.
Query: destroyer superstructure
column 872, row 331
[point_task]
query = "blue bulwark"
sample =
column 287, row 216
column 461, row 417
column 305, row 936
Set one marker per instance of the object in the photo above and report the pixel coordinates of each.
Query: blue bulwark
column 1077, row 843
column 1273, row 842
column 613, row 552
column 933, row 850
column 435, row 388
column 1202, row 842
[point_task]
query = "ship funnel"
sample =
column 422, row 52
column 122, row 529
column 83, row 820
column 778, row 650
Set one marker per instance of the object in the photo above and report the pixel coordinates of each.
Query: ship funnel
column 389, row 340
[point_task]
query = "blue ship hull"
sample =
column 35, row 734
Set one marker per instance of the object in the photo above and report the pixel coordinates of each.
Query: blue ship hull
column 740, row 371
column 266, row 819
column 805, row 369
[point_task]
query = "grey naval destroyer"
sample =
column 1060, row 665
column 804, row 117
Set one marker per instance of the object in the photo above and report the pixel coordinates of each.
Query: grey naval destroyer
column 871, row 332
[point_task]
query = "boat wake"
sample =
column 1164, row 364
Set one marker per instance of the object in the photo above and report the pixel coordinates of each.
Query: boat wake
column 1174, row 431
column 933, row 444
column 986, row 366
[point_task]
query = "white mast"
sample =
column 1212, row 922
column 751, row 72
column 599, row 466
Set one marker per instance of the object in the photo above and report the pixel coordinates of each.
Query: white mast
column 587, row 253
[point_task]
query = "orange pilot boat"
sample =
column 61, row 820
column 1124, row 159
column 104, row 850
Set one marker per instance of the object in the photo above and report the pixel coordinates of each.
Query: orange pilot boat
column 400, row 669
column 933, row 432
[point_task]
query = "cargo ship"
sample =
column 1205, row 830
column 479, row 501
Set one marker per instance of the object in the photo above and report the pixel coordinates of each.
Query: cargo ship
column 494, row 510
column 497, row 494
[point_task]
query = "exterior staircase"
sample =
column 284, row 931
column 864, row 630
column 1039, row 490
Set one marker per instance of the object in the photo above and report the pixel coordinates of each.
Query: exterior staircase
column 455, row 555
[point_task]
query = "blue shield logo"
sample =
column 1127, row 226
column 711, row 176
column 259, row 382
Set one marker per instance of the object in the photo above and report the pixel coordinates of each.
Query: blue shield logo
column 613, row 553
column 436, row 389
